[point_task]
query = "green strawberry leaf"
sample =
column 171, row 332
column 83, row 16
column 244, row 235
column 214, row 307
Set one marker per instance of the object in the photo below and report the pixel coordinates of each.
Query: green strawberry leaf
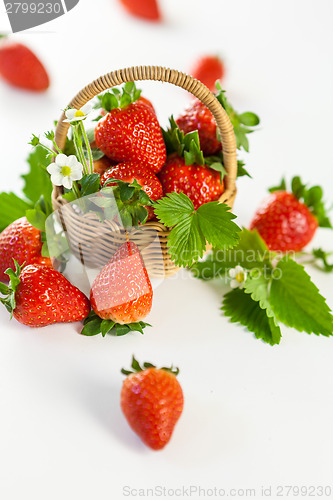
column 192, row 229
column 90, row 184
column 250, row 252
column 242, row 123
column 37, row 181
column 12, row 208
column 296, row 301
column 241, row 171
column 323, row 256
column 241, row 308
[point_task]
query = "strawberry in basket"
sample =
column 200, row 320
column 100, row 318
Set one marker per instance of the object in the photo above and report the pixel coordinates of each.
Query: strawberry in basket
column 186, row 171
column 131, row 171
column 198, row 117
column 130, row 130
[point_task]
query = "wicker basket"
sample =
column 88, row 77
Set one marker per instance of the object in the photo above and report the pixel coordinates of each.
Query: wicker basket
column 94, row 242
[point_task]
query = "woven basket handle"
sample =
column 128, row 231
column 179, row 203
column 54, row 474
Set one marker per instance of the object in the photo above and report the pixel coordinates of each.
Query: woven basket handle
column 175, row 77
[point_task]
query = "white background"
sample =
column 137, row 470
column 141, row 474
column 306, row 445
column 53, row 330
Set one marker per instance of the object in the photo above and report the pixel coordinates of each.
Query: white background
column 254, row 415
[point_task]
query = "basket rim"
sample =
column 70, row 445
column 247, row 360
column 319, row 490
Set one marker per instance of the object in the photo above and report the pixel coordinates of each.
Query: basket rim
column 162, row 74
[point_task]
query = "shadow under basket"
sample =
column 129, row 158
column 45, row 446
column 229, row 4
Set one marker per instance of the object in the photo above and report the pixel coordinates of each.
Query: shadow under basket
column 94, row 242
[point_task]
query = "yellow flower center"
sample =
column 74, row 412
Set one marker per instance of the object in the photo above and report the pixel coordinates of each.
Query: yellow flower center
column 240, row 277
column 78, row 113
column 66, row 171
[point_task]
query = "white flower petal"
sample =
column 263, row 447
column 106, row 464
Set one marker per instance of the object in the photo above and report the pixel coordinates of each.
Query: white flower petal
column 239, row 269
column 53, row 168
column 56, row 179
column 67, row 182
column 86, row 109
column 232, row 272
column 76, row 174
column 61, row 160
column 70, row 113
column 72, row 161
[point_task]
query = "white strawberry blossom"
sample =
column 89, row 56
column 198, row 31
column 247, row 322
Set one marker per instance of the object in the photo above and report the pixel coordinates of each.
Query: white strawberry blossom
column 65, row 170
column 239, row 276
column 76, row 115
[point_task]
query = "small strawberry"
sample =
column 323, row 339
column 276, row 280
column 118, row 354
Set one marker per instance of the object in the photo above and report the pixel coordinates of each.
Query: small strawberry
column 20, row 241
column 152, row 401
column 39, row 295
column 186, row 169
column 122, row 291
column 287, row 221
column 146, row 9
column 208, row 69
column 102, row 165
column 128, row 172
column 20, row 67
column 198, row 117
column 130, row 130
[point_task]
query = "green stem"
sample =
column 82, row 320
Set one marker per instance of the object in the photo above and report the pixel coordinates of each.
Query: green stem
column 91, row 164
column 53, row 153
column 78, row 147
column 76, row 190
column 56, row 147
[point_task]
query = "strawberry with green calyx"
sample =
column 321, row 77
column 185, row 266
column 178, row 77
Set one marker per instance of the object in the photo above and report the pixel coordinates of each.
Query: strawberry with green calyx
column 94, row 325
column 152, row 401
column 122, row 292
column 22, row 242
column 127, row 199
column 287, row 221
column 130, row 172
column 186, row 171
column 130, row 130
column 39, row 295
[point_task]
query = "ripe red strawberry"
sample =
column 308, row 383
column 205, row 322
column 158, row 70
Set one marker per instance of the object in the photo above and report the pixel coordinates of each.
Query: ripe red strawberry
column 199, row 182
column 146, row 9
column 198, row 117
column 20, row 67
column 285, row 222
column 208, row 69
column 39, row 295
column 20, row 241
column 130, row 130
column 152, row 401
column 122, row 291
column 131, row 170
